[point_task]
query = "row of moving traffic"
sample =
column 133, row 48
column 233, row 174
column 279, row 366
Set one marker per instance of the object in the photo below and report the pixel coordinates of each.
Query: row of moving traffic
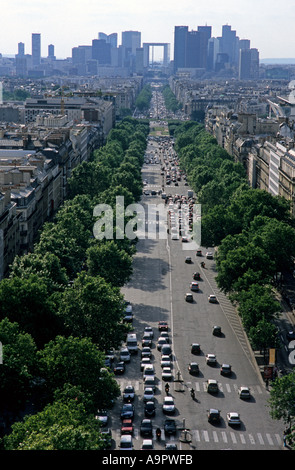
column 149, row 379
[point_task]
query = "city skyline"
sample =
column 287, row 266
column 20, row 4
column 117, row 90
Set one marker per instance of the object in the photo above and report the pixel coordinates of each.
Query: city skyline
column 66, row 25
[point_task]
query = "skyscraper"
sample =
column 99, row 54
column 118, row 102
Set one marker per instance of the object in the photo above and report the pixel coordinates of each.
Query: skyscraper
column 36, row 48
column 131, row 40
column 180, row 39
column 205, row 35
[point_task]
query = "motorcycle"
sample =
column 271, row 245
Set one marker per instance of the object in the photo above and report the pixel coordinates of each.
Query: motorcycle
column 203, row 264
column 192, row 393
column 167, row 388
column 158, row 434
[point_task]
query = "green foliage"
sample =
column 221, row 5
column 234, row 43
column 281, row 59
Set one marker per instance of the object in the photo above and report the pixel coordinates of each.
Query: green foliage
column 143, row 100
column 171, row 102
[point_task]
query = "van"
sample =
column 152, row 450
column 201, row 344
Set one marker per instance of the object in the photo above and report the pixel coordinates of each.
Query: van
column 131, row 343
column 126, row 442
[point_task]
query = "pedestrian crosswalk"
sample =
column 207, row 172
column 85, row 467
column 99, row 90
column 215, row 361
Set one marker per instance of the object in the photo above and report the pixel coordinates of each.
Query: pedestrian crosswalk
column 218, row 438
column 199, row 386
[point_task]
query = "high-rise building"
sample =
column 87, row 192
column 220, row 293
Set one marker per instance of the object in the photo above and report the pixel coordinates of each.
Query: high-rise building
column 192, row 50
column 131, row 40
column 101, row 51
column 21, row 49
column 36, row 48
column 51, row 51
column 229, row 44
column 180, row 39
column 205, row 35
column 111, row 39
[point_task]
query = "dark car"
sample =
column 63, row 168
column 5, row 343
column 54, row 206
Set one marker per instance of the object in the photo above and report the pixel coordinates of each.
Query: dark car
column 163, row 326
column 213, row 415
column 146, row 427
column 119, row 368
column 170, row 426
column 127, row 411
column 216, row 330
column 195, row 348
column 128, row 393
column 225, row 369
column 149, row 408
column 290, row 335
column 193, row 368
column 196, row 276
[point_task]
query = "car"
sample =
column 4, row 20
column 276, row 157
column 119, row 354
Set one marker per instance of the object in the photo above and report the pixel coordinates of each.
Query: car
column 170, row 426
column 168, row 406
column 197, row 276
column 107, row 363
column 188, row 259
column 127, row 411
column 167, row 373
column 165, row 361
column 150, row 382
column 194, row 286
column 212, row 299
column 209, row 255
column 124, row 355
column 148, row 371
column 175, row 236
column 163, row 326
column 244, row 393
column 146, row 340
column 146, row 352
column 170, row 446
column 148, row 329
column 144, row 362
column 146, row 427
column 149, row 408
column 184, row 239
column 193, row 368
column 216, row 330
column 160, row 343
column 119, row 368
column 233, row 418
column 126, row 442
column 110, row 354
column 128, row 393
column 127, row 426
column 148, row 394
column 213, row 415
column 102, row 417
column 147, row 444
column 199, row 253
column 195, row 348
column 165, row 334
column 210, row 359
column 166, row 350
column 225, row 369
column 212, row 386
column 189, row 297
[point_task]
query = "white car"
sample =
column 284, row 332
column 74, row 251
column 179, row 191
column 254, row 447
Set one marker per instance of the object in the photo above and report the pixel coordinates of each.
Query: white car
column 147, row 444
column 148, row 394
column 210, row 359
column 148, row 329
column 124, row 355
column 209, row 255
column 102, row 417
column 244, row 392
column 233, row 418
column 161, row 341
column 148, row 371
column 168, row 405
column 165, row 361
column 194, row 286
column 213, row 299
column 167, row 373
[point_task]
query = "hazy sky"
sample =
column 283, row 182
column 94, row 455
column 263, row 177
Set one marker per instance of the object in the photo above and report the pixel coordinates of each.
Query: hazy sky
column 269, row 24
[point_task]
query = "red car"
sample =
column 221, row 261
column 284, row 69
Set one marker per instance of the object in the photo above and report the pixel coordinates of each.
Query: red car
column 127, row 427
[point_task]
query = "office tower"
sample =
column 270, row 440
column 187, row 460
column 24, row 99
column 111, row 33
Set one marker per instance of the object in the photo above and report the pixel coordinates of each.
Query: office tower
column 192, row 50
column 101, row 51
column 51, row 51
column 131, row 40
column 229, row 44
column 254, row 63
column 205, row 35
column 249, row 64
column 21, row 49
column 111, row 39
column 213, row 50
column 180, row 38
column 36, row 48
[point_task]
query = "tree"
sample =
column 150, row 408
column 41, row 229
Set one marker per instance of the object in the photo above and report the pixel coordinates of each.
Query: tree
column 282, row 398
column 93, row 308
column 263, row 335
column 18, row 366
column 77, row 362
column 108, row 261
column 60, row 426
